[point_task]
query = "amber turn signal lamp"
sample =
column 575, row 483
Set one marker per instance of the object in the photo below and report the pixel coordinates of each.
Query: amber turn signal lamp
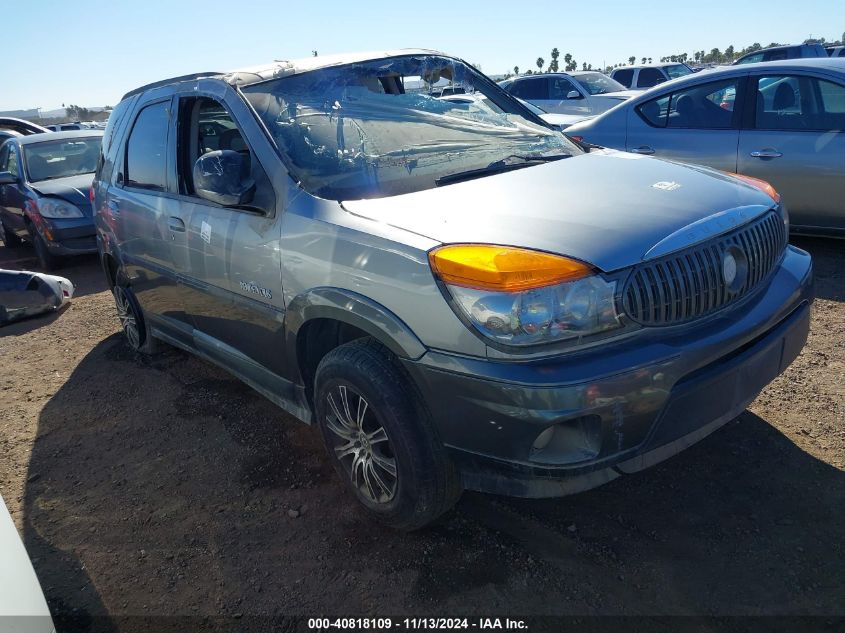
column 502, row 268
column 762, row 185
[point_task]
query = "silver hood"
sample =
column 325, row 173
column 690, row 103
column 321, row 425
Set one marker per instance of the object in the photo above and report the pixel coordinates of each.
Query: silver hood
column 605, row 208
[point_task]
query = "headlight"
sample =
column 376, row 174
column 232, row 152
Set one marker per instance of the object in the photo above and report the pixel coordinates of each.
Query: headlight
column 56, row 209
column 522, row 297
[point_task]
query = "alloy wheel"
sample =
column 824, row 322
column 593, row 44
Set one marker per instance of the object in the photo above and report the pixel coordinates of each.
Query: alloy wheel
column 361, row 444
column 126, row 316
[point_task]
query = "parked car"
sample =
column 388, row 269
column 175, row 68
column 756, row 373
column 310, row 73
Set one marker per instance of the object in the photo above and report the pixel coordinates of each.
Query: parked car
column 45, row 180
column 23, row 608
column 647, row 76
column 582, row 94
column 12, row 127
column 835, row 51
column 66, row 127
column 453, row 295
column 779, row 121
column 558, row 121
column 781, row 53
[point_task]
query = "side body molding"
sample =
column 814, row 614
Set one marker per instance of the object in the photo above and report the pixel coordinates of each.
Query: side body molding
column 354, row 309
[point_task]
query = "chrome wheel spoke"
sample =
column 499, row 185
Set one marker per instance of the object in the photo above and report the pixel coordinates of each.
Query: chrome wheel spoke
column 377, row 436
column 346, row 450
column 366, row 470
column 344, row 399
column 379, row 481
column 342, row 420
column 387, row 464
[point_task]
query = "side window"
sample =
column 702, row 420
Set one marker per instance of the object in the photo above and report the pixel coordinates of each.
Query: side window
column 752, row 59
column 146, row 149
column 706, row 106
column 776, row 56
column 650, row 77
column 206, row 126
column 531, row 89
column 560, row 87
column 13, row 160
column 4, row 158
column 799, row 103
column 624, row 76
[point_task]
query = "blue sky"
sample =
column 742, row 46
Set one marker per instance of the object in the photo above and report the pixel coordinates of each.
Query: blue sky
column 91, row 53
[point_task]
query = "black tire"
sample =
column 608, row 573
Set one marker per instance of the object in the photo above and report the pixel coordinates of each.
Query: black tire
column 426, row 483
column 135, row 328
column 10, row 238
column 46, row 259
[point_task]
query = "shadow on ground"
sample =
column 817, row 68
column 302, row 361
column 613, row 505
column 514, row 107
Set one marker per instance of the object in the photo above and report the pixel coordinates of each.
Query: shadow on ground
column 164, row 486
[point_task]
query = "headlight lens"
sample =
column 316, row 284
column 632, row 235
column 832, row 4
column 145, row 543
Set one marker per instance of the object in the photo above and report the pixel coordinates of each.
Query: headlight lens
column 58, row 209
column 521, row 297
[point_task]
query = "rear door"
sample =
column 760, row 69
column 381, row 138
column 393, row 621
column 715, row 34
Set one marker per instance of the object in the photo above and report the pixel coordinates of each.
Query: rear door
column 532, row 89
column 231, row 267
column 794, row 137
column 696, row 124
column 650, row 77
column 142, row 206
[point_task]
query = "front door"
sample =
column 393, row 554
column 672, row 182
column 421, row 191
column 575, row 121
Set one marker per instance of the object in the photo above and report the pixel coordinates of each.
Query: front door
column 231, row 268
column 12, row 197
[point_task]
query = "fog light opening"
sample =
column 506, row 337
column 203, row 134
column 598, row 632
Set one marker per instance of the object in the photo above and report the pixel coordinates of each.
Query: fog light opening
column 569, row 442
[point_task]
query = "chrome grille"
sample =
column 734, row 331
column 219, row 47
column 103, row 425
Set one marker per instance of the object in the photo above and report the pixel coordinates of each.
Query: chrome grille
column 690, row 283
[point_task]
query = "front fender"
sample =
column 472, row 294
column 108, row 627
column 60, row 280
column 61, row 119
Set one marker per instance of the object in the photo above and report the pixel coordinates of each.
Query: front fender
column 356, row 310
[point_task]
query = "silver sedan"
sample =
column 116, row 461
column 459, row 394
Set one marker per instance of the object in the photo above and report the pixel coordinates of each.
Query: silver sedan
column 783, row 122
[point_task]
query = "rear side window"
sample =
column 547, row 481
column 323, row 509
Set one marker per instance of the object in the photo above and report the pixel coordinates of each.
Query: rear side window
column 707, row 106
column 624, row 76
column 784, row 53
column 146, row 149
column 529, row 89
column 751, row 59
column 650, row 77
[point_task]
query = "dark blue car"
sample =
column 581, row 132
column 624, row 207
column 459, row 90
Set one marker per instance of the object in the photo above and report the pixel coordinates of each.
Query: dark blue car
column 45, row 181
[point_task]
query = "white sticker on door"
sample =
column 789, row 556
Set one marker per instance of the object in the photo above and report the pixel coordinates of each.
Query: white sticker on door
column 205, row 233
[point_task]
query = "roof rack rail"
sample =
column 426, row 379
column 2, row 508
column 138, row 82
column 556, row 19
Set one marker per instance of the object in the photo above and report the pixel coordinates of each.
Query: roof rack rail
column 172, row 80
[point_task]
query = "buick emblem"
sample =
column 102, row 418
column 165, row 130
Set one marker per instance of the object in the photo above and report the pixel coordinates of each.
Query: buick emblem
column 734, row 268
column 729, row 268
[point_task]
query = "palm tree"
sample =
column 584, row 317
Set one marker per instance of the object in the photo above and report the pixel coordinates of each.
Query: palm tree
column 553, row 65
column 631, row 60
column 540, row 62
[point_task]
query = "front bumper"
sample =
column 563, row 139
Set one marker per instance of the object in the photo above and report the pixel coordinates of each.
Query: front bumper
column 75, row 236
column 641, row 400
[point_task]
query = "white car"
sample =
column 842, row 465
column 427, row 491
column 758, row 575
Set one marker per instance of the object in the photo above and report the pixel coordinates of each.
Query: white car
column 558, row 121
column 583, row 93
column 23, row 608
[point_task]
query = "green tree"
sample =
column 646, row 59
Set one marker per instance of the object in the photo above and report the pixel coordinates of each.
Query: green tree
column 540, row 62
column 730, row 54
column 631, row 60
column 553, row 65
column 643, row 60
column 516, row 70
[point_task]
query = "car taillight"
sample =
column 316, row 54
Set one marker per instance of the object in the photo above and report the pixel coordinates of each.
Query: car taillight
column 91, row 195
column 580, row 139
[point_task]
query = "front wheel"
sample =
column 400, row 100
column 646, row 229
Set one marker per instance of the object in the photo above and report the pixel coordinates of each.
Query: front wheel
column 10, row 238
column 46, row 259
column 379, row 438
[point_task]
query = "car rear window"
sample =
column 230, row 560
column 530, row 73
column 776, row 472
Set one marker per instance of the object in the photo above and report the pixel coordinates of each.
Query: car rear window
column 624, row 76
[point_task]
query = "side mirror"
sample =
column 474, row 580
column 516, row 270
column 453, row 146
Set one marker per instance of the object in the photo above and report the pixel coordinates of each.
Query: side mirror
column 573, row 94
column 222, row 176
column 7, row 178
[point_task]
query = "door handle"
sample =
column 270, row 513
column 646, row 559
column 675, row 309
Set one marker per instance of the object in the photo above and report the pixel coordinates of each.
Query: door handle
column 176, row 224
column 643, row 149
column 766, row 153
column 113, row 206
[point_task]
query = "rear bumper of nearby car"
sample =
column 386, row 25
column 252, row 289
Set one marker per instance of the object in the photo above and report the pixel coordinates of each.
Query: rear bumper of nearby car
column 614, row 409
column 70, row 237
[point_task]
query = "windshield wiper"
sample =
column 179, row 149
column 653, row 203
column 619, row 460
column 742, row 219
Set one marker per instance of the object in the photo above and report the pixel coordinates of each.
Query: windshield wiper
column 508, row 163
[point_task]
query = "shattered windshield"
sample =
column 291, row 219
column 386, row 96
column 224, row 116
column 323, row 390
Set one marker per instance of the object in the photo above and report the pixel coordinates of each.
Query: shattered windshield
column 381, row 128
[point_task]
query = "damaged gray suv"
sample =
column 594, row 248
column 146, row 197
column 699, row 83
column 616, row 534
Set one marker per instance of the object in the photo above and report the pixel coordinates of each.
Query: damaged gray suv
column 458, row 296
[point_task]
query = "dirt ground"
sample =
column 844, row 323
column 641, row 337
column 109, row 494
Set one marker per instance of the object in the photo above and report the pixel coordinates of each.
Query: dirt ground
column 164, row 487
